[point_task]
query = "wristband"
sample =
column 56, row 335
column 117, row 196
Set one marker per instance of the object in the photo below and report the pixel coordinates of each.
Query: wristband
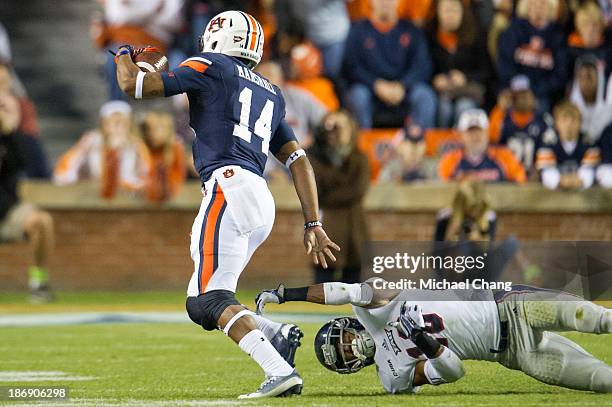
column 122, row 52
column 295, row 294
column 427, row 344
column 294, row 156
column 127, row 51
column 139, row 84
column 312, row 224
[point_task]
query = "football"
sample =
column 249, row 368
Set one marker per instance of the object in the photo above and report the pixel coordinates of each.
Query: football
column 150, row 59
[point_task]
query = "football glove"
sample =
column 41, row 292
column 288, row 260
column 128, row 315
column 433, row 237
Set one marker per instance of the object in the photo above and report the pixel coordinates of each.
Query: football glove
column 411, row 320
column 269, row 296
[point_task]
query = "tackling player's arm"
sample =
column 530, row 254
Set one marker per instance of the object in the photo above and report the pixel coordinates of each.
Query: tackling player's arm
column 442, row 364
column 358, row 294
column 316, row 241
column 134, row 82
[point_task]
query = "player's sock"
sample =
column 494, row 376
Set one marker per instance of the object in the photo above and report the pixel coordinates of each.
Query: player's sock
column 568, row 315
column 38, row 277
column 258, row 347
column 268, row 327
column 591, row 318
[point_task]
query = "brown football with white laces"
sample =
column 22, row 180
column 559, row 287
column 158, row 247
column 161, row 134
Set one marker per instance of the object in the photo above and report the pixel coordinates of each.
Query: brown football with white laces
column 150, row 59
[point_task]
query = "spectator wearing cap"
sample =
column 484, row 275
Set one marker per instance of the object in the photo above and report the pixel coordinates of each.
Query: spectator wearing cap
column 588, row 94
column 476, row 160
column 326, row 24
column 388, row 67
column 590, row 37
column 407, row 162
column 535, row 46
column 566, row 160
column 111, row 154
column 523, row 126
column 460, row 60
column 20, row 220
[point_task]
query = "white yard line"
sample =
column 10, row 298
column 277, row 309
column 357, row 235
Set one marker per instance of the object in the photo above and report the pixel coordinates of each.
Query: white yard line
column 130, row 403
column 39, row 376
column 79, row 318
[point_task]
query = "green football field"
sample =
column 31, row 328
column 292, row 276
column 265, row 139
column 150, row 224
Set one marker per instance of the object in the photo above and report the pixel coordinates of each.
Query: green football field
column 159, row 364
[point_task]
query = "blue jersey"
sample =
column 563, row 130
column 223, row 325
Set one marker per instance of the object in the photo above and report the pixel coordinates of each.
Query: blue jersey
column 524, row 139
column 237, row 115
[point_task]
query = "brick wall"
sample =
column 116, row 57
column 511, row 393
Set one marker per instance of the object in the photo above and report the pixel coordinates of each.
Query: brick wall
column 148, row 249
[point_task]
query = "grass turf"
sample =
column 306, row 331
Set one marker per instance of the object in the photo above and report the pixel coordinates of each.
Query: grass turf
column 84, row 301
column 160, row 364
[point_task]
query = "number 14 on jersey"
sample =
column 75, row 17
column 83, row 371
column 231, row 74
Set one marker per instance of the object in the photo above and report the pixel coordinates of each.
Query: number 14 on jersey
column 263, row 125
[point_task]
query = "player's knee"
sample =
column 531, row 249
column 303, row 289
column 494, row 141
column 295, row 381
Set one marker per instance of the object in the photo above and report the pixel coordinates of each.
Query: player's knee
column 194, row 310
column 206, row 309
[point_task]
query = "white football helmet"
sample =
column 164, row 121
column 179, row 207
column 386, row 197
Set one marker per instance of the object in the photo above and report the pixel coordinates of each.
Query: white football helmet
column 236, row 34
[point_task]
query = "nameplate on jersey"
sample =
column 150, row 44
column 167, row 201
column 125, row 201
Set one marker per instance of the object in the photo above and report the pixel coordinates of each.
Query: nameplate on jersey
column 246, row 73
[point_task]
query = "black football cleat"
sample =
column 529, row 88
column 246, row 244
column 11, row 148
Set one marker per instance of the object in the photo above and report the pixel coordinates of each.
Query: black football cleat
column 286, row 341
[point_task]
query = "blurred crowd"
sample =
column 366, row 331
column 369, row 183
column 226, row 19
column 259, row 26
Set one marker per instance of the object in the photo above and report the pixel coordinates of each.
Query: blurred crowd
column 377, row 91
column 484, row 90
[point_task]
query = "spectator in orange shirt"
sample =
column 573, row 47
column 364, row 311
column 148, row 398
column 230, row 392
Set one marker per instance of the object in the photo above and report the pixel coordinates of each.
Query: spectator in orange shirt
column 414, row 10
column 306, row 73
column 168, row 168
column 590, row 37
column 476, row 160
column 111, row 154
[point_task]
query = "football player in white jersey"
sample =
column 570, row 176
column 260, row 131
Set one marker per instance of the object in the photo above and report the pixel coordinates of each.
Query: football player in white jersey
column 418, row 337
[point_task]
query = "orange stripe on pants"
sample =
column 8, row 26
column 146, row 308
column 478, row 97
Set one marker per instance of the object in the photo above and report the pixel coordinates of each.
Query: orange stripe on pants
column 208, row 243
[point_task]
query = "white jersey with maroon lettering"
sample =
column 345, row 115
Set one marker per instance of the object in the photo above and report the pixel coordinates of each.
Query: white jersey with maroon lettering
column 469, row 328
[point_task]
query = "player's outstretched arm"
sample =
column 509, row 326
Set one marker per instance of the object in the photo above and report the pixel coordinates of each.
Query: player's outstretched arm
column 327, row 293
column 134, row 82
column 316, row 241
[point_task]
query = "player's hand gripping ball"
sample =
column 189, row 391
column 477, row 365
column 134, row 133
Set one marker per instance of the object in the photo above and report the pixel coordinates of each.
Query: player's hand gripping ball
column 150, row 59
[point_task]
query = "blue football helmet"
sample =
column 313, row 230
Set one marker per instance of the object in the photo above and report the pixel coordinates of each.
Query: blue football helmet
column 340, row 354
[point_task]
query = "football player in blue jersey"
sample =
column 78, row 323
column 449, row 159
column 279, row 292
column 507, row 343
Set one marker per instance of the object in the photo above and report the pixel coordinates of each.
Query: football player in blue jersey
column 238, row 118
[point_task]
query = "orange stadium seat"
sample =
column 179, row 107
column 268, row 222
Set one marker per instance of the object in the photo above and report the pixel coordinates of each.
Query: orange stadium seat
column 439, row 141
column 375, row 143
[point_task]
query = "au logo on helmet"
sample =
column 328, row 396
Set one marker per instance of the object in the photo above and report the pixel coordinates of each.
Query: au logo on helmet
column 216, row 24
